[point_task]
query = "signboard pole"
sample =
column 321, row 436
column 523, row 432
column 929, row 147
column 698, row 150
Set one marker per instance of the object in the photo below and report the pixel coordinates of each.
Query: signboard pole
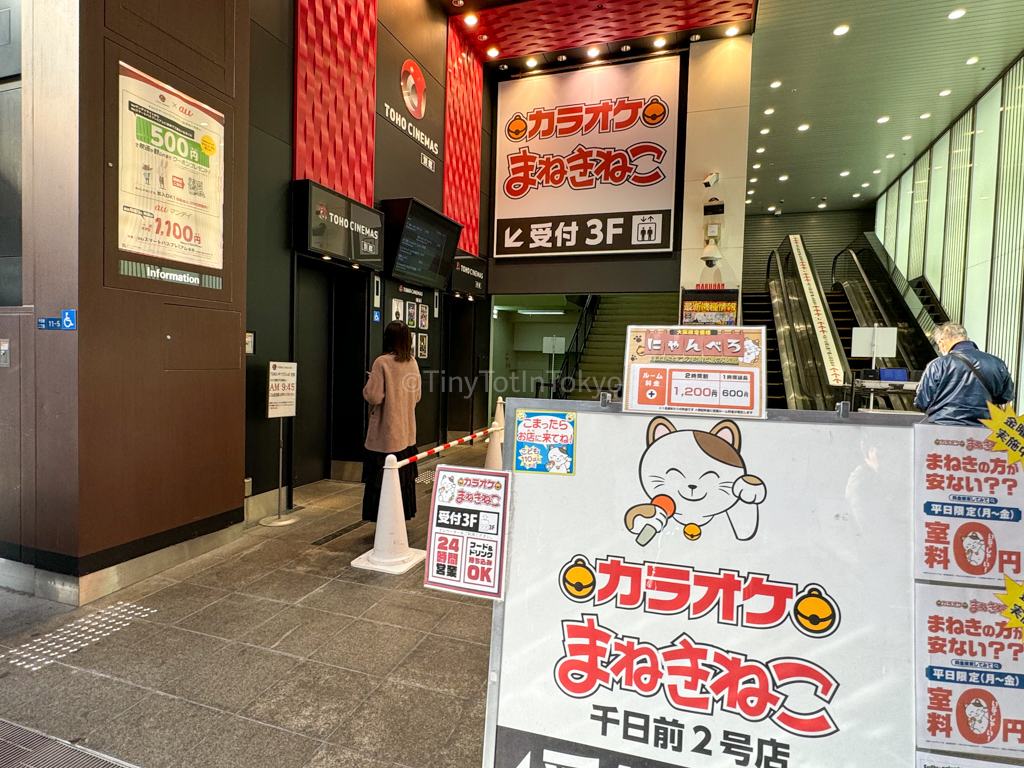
column 281, row 398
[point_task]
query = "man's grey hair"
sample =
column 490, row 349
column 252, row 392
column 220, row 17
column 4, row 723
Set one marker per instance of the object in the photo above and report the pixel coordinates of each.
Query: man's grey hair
column 950, row 332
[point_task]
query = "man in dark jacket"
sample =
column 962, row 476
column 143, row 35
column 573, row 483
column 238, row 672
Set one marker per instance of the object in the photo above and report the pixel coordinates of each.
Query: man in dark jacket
column 956, row 387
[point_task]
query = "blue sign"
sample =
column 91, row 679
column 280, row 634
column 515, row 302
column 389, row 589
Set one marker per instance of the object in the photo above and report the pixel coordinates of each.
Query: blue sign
column 546, row 442
column 69, row 319
column 376, row 315
column 48, row 323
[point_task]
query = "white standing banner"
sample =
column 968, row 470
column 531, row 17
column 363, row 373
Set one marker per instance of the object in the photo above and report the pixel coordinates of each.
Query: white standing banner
column 171, row 173
column 970, row 673
column 827, row 342
column 709, row 594
column 281, row 389
column 967, row 508
column 586, row 161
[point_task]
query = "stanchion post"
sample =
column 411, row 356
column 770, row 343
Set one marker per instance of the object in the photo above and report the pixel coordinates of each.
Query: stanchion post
column 493, row 458
column 499, row 418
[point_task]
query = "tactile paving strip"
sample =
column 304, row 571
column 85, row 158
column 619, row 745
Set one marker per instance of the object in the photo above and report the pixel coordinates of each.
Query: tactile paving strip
column 25, row 748
column 73, row 637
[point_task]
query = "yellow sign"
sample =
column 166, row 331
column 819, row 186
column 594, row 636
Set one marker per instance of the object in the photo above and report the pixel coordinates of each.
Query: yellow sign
column 1014, row 602
column 208, row 145
column 1007, row 431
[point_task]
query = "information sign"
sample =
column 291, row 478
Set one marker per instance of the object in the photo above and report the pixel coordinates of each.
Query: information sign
column 281, row 390
column 695, row 369
column 468, row 528
column 545, row 442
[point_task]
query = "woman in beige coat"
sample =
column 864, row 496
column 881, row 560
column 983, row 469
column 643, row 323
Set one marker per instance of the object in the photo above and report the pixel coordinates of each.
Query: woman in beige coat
column 392, row 391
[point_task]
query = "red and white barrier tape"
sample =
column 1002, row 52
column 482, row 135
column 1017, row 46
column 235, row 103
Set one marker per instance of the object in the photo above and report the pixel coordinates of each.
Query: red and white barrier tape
column 440, row 448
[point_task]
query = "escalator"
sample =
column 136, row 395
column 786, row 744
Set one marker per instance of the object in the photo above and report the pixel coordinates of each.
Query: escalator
column 845, row 321
column 757, row 310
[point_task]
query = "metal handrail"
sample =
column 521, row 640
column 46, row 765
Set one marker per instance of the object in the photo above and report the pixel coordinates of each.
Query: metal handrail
column 574, row 352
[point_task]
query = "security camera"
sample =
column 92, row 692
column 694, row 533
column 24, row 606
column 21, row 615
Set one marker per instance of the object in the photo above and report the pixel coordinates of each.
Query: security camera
column 711, row 179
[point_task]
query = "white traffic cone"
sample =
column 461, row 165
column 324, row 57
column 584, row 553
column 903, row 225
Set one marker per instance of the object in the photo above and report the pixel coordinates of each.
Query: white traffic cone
column 391, row 552
column 499, row 417
column 493, row 458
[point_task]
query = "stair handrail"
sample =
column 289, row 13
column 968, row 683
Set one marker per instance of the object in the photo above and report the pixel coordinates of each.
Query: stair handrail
column 574, row 352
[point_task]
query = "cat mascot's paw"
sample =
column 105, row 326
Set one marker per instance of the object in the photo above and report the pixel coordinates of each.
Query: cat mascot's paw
column 643, row 515
column 749, row 489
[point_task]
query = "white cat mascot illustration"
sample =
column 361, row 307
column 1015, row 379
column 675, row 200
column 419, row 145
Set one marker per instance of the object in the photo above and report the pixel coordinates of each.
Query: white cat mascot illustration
column 447, row 490
column 559, row 461
column 692, row 477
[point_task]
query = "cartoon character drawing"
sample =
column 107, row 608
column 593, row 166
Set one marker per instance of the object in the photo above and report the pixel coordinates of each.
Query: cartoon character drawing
column 692, row 477
column 559, row 461
column 978, row 716
column 974, row 548
column 447, row 490
column 750, row 351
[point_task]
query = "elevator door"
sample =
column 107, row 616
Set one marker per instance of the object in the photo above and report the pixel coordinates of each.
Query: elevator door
column 312, row 448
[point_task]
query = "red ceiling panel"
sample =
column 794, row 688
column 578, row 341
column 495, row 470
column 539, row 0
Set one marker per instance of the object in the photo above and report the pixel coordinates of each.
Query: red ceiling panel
column 462, row 133
column 542, row 26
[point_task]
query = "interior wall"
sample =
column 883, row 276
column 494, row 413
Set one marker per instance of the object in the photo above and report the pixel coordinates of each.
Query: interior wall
column 518, row 360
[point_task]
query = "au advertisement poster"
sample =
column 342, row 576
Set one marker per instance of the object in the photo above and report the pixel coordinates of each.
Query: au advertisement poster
column 967, row 508
column 586, row 161
column 705, row 595
column 171, row 173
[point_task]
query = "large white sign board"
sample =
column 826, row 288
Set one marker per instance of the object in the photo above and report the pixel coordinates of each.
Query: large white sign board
column 585, row 161
column 768, row 619
column 171, row 173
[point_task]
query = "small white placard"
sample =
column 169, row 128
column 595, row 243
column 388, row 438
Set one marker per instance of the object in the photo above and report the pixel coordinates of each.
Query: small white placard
column 554, row 345
column 281, row 389
column 884, row 342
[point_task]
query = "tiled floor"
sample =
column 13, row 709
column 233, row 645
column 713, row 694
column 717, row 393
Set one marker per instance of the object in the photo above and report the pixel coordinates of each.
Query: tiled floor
column 269, row 652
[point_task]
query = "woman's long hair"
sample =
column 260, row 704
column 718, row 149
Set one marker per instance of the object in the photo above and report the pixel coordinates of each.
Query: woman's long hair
column 398, row 341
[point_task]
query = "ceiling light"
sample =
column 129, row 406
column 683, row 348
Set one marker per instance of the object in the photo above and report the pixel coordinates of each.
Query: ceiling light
column 754, row 180
column 660, row 42
column 593, row 53
column 458, row 3
column 803, row 127
column 865, row 185
column 748, row 201
column 926, row 115
column 470, row 20
column 756, row 166
column 540, row 311
column 626, row 48
column 750, row 191
column 771, row 207
column 326, row 258
column 844, row 173
column 503, row 67
column 776, row 84
column 883, row 119
column 877, row 170
column 531, row 62
column 562, row 57
column 482, row 38
column 856, row 194
column 769, row 111
column 972, row 60
column 908, row 137
column 783, row 177
column 732, row 31
column 959, row 13
column 493, row 52
column 890, row 156
column 694, row 38
column 765, row 131
column 945, row 92
column 822, row 205
column 760, row 150
column 841, row 30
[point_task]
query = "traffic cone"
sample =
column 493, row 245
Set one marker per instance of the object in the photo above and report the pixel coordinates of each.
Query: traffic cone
column 499, row 417
column 391, row 552
column 493, row 458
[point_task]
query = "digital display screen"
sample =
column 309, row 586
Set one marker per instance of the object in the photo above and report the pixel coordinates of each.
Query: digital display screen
column 892, row 374
column 421, row 253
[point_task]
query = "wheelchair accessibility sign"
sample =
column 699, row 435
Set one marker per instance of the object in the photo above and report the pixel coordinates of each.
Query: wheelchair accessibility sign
column 68, row 319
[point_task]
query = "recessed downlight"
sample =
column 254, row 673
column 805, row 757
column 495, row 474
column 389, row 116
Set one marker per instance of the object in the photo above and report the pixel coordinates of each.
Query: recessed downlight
column 841, row 30
column 750, row 191
column 776, row 84
column 531, row 62
column 856, row 194
column 769, row 111
column 771, row 207
column 959, row 13
column 756, row 166
column 908, row 137
column 945, row 92
column 822, row 205
column 865, row 185
column 890, row 156
column 765, row 131
column 753, row 180
column 748, row 201
column 325, row 257
column 844, row 174
column 972, row 60
column 593, row 53
column 493, row 52
column 783, row 177
column 470, row 19
column 883, row 119
column 503, row 67
column 732, row 31
column 562, row 57
column 626, row 48
column 760, row 150
column 660, row 42
column 925, row 115
column 803, row 127
column 877, row 170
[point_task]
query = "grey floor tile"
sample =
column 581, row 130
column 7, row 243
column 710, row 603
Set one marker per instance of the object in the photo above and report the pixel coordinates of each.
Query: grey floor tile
column 273, row 553
column 344, row 597
column 178, row 601
column 133, row 593
column 467, row 622
column 450, row 666
column 319, row 562
column 312, row 699
column 297, row 630
column 21, row 614
column 344, row 500
column 364, row 646
column 154, row 660
column 156, row 731
column 232, row 616
column 284, row 585
column 400, row 723
column 308, row 494
column 465, row 747
column 330, row 756
column 239, row 546
column 232, row 677
column 69, row 703
column 192, row 567
column 372, row 578
column 408, row 610
column 245, row 744
column 232, row 574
